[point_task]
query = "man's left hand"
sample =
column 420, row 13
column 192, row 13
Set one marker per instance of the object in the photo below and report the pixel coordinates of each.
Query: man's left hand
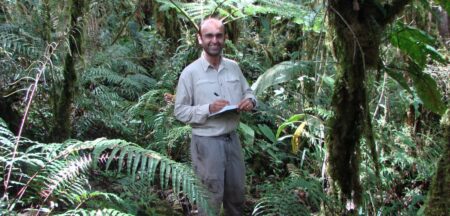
column 245, row 105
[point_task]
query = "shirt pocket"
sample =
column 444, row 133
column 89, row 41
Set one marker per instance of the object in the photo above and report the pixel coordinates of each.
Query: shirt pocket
column 204, row 90
column 234, row 88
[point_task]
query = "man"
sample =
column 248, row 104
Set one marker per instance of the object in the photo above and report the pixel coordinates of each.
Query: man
column 205, row 87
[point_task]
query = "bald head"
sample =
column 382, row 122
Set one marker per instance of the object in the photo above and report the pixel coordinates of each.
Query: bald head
column 211, row 37
column 211, row 22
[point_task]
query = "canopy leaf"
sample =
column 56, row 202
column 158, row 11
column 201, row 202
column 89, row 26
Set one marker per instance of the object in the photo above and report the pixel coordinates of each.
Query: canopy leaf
column 417, row 44
column 280, row 73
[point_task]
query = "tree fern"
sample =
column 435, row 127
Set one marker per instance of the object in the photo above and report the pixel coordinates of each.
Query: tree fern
column 196, row 11
column 236, row 9
column 118, row 83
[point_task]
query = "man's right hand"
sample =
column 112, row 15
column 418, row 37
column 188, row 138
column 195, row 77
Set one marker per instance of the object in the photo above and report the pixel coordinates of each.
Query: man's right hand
column 218, row 105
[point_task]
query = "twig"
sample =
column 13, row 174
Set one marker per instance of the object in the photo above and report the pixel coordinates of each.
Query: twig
column 47, row 60
column 381, row 97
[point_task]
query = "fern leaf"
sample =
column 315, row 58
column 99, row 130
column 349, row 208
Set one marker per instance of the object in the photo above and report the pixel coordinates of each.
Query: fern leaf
column 167, row 175
column 162, row 171
column 143, row 167
column 135, row 166
column 130, row 157
column 121, row 157
column 94, row 212
column 152, row 168
column 112, row 157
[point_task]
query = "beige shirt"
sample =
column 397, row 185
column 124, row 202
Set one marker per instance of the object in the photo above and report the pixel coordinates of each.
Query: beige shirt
column 200, row 85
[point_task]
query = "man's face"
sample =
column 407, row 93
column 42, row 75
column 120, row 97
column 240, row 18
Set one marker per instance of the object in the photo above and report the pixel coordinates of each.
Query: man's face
column 212, row 37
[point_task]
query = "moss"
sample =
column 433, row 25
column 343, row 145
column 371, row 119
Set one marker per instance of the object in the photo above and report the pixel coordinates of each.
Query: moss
column 64, row 107
column 356, row 45
column 438, row 202
column 347, row 125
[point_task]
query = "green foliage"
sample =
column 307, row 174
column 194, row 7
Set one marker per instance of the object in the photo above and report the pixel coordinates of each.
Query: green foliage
column 83, row 212
column 111, row 87
column 309, row 15
column 444, row 4
column 248, row 134
column 16, row 40
column 196, row 11
column 280, row 73
column 418, row 45
column 282, row 47
column 295, row 195
column 427, row 89
column 56, row 174
column 403, row 176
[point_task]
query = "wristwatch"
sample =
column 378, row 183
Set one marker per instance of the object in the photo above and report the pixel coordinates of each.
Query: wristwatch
column 253, row 102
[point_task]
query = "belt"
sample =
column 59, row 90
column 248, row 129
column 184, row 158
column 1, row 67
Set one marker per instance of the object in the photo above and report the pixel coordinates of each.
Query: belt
column 227, row 135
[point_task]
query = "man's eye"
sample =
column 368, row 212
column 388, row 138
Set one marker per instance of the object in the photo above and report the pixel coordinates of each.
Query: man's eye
column 210, row 36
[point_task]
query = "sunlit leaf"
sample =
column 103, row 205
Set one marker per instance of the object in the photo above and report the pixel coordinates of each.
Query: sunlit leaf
column 280, row 73
column 288, row 122
column 295, row 141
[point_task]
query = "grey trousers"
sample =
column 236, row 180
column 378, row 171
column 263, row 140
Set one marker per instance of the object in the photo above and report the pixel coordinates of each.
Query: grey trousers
column 219, row 163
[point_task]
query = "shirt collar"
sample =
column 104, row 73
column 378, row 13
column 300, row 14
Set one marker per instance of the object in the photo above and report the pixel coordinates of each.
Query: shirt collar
column 206, row 64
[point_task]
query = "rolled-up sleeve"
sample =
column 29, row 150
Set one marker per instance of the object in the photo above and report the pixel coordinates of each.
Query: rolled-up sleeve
column 184, row 110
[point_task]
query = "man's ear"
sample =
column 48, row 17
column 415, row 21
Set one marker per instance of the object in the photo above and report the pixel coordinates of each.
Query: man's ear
column 199, row 38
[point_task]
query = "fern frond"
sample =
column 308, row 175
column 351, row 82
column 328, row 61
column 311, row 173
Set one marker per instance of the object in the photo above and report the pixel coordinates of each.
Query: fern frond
column 293, row 196
column 325, row 114
column 130, row 157
column 63, row 173
column 196, row 11
column 6, row 136
column 16, row 40
column 94, row 212
column 146, row 102
column 310, row 18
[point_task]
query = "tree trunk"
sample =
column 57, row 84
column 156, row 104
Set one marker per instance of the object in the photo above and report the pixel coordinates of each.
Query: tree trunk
column 63, row 122
column 438, row 202
column 357, row 30
column 443, row 22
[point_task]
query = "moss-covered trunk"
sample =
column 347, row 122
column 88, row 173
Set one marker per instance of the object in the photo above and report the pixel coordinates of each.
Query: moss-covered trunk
column 357, row 28
column 63, row 111
column 438, row 202
column 348, row 103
